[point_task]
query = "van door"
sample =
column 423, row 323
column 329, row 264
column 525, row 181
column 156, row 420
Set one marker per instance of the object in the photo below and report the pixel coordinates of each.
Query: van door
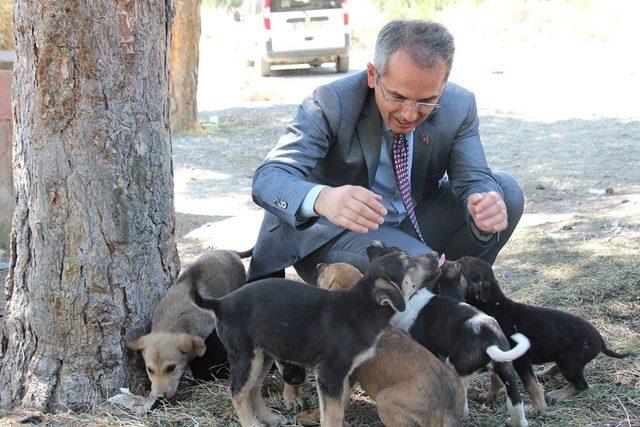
column 298, row 25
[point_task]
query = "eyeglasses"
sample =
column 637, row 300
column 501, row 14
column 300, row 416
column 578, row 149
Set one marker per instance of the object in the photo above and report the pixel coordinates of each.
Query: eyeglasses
column 422, row 107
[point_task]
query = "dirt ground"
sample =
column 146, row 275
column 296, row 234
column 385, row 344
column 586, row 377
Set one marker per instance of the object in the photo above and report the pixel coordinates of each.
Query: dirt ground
column 576, row 247
column 573, row 147
column 559, row 112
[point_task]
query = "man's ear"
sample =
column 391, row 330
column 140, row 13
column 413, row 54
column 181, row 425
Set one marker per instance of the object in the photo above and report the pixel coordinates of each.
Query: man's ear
column 137, row 344
column 371, row 76
column 192, row 345
column 386, row 293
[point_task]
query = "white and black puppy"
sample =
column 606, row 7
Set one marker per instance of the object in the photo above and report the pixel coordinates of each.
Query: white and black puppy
column 467, row 338
column 300, row 324
column 556, row 336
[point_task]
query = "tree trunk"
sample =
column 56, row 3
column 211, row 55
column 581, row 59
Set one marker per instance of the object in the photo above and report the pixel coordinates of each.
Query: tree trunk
column 184, row 65
column 92, row 245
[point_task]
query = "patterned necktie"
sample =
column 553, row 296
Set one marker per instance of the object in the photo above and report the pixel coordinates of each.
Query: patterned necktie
column 400, row 151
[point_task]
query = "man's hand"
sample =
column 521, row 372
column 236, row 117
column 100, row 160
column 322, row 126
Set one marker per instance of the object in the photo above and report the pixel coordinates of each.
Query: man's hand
column 488, row 211
column 352, row 207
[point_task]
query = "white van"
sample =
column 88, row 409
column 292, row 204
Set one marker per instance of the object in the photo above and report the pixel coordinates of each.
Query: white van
column 295, row 32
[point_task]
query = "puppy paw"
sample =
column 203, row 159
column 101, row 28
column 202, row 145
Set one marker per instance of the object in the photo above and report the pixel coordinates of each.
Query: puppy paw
column 517, row 423
column 554, row 396
column 540, row 410
column 308, row 418
column 276, row 420
column 293, row 398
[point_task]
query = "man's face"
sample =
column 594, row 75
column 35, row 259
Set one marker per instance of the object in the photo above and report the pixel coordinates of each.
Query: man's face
column 405, row 80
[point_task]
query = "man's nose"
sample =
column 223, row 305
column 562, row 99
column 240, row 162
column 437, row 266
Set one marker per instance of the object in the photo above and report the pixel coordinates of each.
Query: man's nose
column 410, row 112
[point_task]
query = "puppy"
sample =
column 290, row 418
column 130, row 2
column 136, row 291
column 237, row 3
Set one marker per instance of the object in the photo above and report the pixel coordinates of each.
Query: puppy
column 179, row 330
column 466, row 337
column 556, row 336
column 410, row 386
column 304, row 325
column 293, row 377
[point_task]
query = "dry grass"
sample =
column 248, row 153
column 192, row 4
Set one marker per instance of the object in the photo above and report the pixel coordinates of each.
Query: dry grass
column 552, row 267
column 576, row 250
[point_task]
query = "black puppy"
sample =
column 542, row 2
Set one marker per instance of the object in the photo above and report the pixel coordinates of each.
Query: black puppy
column 556, row 336
column 466, row 337
column 292, row 322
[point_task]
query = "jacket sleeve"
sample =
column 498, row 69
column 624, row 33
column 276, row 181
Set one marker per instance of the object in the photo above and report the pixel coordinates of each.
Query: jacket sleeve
column 468, row 170
column 281, row 183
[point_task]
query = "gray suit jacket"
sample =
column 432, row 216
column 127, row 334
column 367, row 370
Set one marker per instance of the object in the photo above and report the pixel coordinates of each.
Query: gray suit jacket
column 335, row 139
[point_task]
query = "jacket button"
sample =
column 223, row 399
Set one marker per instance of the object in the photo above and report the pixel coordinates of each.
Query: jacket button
column 280, row 203
column 295, row 258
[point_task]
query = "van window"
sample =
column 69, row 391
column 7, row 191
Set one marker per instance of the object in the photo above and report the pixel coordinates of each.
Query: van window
column 290, row 5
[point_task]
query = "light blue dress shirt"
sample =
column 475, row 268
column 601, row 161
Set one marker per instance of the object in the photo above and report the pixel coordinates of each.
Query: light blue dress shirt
column 384, row 183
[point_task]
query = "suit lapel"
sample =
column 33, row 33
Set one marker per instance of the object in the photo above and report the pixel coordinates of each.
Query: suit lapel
column 369, row 136
column 423, row 139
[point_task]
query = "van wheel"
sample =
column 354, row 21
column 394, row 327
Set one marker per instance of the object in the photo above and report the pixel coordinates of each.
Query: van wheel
column 265, row 68
column 342, row 63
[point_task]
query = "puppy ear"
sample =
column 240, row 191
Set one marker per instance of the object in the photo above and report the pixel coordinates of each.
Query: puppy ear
column 386, row 293
column 376, row 249
column 481, row 289
column 192, row 345
column 323, row 280
column 137, row 344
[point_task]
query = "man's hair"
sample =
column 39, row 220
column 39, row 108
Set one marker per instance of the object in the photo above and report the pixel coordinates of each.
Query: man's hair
column 426, row 42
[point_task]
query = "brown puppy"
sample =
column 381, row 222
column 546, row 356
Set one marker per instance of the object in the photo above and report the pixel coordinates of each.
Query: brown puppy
column 179, row 330
column 410, row 386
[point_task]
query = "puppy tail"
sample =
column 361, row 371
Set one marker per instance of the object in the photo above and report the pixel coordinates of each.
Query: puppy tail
column 612, row 353
column 206, row 304
column 245, row 254
column 522, row 345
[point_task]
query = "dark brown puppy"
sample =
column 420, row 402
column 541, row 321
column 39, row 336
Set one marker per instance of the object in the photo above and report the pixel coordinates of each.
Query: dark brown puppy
column 333, row 331
column 556, row 336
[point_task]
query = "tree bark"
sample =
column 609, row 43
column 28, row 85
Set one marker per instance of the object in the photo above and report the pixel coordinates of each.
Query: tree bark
column 92, row 244
column 184, row 65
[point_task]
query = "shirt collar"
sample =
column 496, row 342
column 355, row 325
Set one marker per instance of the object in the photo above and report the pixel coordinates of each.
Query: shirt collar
column 387, row 130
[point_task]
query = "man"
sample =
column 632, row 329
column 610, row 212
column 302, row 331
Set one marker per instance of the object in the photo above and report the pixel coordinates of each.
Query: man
column 391, row 154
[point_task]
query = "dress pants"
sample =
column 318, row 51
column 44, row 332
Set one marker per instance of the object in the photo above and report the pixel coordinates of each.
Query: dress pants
column 443, row 225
